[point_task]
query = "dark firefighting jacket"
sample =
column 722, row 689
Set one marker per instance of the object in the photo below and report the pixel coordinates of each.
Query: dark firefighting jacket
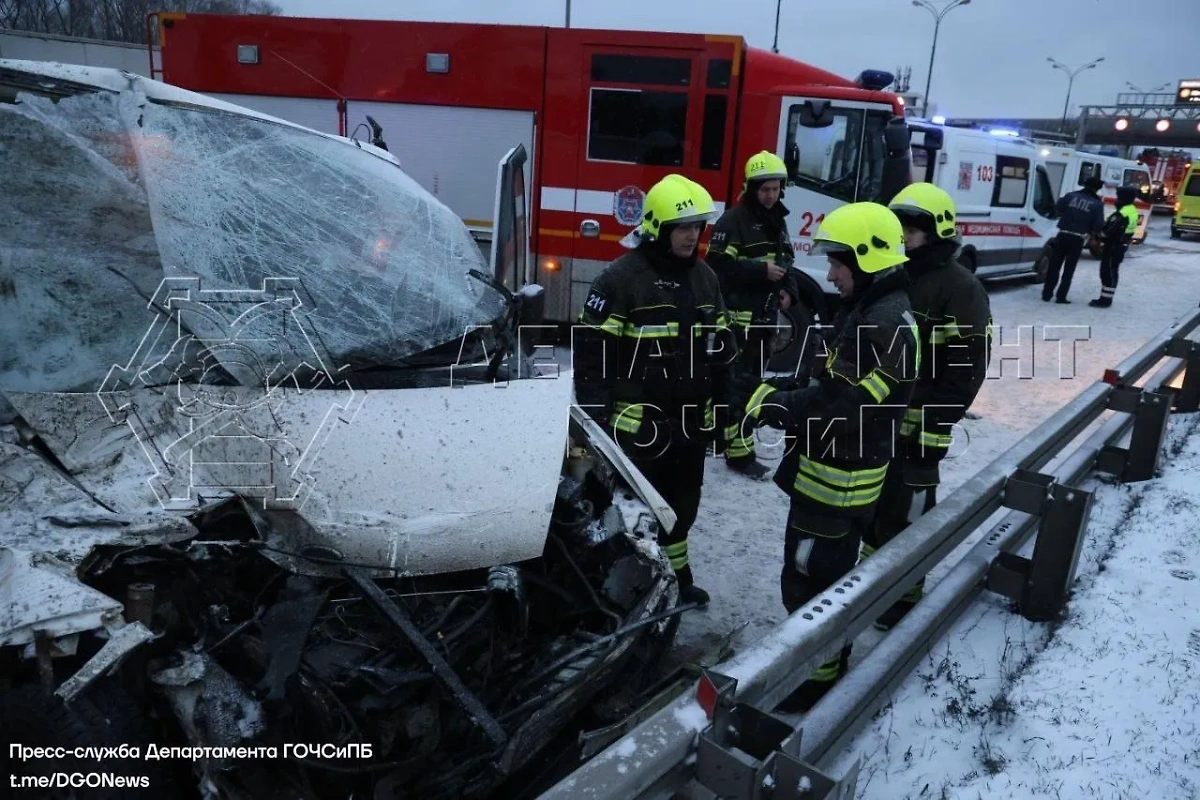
column 654, row 346
column 743, row 239
column 841, row 429
column 954, row 319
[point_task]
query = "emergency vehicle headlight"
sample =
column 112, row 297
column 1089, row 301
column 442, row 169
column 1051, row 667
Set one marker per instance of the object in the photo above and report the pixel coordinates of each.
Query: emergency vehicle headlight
column 247, row 53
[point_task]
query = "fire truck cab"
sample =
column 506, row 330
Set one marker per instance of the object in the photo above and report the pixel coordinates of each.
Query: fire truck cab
column 604, row 114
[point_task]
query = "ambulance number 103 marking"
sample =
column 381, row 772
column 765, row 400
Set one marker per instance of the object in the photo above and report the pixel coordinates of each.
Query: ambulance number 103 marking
column 985, row 173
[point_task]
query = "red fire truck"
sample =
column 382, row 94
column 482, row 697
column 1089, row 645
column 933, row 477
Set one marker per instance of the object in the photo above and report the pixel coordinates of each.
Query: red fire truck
column 602, row 113
column 1167, row 171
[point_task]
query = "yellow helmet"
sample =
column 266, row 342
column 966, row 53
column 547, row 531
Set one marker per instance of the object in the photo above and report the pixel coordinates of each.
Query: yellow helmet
column 765, row 165
column 868, row 230
column 675, row 200
column 931, row 202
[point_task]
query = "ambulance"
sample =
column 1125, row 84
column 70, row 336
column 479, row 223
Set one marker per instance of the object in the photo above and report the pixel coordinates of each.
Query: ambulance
column 1069, row 168
column 1002, row 189
column 603, row 114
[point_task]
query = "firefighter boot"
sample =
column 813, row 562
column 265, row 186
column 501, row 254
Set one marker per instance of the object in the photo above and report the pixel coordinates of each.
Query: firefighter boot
column 689, row 592
column 750, row 467
column 899, row 610
column 809, row 693
column 1100, row 302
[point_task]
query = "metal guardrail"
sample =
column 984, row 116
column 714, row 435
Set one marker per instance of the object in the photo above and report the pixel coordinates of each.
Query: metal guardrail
column 652, row 759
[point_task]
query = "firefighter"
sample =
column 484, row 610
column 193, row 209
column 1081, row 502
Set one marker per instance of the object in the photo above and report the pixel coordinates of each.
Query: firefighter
column 1116, row 235
column 652, row 352
column 1080, row 215
column 751, row 251
column 840, row 426
column 954, row 319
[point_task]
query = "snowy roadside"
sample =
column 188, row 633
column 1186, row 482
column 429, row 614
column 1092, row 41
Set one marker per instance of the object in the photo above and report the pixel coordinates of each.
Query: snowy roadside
column 1098, row 705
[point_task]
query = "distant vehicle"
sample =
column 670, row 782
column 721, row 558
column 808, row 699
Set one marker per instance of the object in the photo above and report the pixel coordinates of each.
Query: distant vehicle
column 1167, row 171
column 1068, row 169
column 1003, row 191
column 1187, row 206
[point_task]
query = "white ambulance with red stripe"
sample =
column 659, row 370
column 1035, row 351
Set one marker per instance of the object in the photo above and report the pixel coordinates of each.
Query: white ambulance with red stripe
column 1003, row 191
column 603, row 115
column 1069, row 167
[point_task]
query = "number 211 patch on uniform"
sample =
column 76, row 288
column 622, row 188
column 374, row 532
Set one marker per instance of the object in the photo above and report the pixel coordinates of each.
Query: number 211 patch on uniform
column 596, row 302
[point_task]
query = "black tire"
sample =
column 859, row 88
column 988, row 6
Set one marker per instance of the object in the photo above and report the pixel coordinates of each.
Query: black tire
column 1175, row 232
column 1041, row 266
column 103, row 717
column 790, row 347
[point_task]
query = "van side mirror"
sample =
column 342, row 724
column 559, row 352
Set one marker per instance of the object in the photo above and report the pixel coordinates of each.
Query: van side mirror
column 816, row 114
column 896, row 137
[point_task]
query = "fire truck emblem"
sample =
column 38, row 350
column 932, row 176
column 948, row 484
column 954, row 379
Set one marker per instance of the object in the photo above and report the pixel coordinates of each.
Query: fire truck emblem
column 208, row 390
column 627, row 205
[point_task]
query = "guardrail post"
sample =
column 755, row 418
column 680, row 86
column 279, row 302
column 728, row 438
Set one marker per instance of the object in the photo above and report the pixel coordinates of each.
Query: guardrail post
column 1040, row 585
column 1139, row 461
column 1187, row 399
column 748, row 754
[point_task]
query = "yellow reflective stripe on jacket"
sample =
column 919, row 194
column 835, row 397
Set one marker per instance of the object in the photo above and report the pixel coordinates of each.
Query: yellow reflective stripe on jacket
column 937, row 440
column 614, row 324
column 628, row 416
column 839, row 488
column 742, row 319
column 677, row 554
column 876, row 385
column 755, row 403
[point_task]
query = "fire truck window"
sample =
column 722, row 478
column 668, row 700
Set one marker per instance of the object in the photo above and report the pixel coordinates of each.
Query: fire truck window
column 637, row 127
column 833, row 160
column 712, row 138
column 658, row 70
column 1012, row 182
column 720, row 71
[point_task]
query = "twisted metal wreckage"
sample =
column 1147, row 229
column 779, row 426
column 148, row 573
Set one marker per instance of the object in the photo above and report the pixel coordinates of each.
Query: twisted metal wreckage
column 243, row 503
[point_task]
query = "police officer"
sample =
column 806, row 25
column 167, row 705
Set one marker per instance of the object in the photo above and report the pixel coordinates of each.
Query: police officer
column 1117, row 235
column 840, row 426
column 751, row 251
column 1080, row 214
column 651, row 355
column 954, row 318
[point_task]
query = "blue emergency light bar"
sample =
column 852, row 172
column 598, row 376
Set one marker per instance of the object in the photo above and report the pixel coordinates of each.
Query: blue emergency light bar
column 875, row 80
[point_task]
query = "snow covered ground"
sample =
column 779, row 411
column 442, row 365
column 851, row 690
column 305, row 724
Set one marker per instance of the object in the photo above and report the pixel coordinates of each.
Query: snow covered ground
column 1101, row 706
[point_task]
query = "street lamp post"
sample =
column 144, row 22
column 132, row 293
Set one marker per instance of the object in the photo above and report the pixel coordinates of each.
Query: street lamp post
column 937, row 24
column 1140, row 90
column 1071, row 73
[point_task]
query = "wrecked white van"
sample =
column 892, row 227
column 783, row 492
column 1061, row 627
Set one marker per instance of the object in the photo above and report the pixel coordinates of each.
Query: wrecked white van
column 275, row 470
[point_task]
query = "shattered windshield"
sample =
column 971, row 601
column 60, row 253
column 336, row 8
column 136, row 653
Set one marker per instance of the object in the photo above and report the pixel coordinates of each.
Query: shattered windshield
column 212, row 247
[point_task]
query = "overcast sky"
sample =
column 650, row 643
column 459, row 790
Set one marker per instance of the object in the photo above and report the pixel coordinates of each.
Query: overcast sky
column 991, row 54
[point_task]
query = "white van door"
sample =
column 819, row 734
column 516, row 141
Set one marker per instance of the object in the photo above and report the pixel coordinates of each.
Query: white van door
column 998, row 230
column 968, row 173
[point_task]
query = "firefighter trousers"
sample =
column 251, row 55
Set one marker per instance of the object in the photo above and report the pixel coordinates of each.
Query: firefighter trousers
column 1064, row 258
column 753, row 352
column 1110, row 266
column 907, row 495
column 678, row 475
column 811, row 564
